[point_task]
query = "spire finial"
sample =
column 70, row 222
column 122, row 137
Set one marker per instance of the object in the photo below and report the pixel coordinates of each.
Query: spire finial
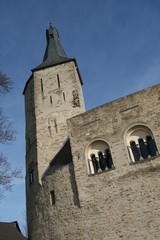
column 50, row 23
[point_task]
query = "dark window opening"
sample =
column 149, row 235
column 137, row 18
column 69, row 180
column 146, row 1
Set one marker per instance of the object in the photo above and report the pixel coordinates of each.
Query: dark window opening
column 29, row 143
column 31, row 176
column 64, row 98
column 99, row 158
column 51, row 99
column 95, row 163
column 53, row 199
column 102, row 161
column 51, row 35
column 152, row 149
column 58, row 81
column 55, row 125
column 31, row 173
column 41, row 85
column 135, row 151
column 143, row 149
column 109, row 160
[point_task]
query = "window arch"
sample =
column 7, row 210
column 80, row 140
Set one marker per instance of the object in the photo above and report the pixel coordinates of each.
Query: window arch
column 99, row 157
column 140, row 143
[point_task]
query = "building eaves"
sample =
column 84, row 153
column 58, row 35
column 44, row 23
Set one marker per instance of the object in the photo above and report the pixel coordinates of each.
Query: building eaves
column 52, row 63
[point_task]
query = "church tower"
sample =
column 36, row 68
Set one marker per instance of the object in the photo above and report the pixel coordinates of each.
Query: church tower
column 53, row 94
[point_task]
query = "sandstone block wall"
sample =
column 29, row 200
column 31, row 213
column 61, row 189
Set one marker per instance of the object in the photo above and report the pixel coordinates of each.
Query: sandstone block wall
column 117, row 207
column 52, row 95
column 122, row 203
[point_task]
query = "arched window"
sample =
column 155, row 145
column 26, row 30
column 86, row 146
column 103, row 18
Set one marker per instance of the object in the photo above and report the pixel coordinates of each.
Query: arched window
column 140, row 143
column 99, row 157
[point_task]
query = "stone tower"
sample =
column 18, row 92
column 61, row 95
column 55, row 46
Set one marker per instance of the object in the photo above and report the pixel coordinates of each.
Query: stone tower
column 53, row 94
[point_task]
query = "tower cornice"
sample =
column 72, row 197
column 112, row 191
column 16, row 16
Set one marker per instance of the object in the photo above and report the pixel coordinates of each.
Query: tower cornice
column 52, row 65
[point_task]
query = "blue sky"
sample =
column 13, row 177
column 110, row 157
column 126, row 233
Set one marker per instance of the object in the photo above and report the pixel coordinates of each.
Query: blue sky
column 116, row 44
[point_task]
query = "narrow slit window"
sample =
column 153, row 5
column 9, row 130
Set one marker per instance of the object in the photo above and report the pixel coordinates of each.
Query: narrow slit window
column 58, row 81
column 31, row 173
column 41, row 85
column 64, row 97
column 31, row 177
column 51, row 99
column 55, row 125
column 52, row 197
column 29, row 143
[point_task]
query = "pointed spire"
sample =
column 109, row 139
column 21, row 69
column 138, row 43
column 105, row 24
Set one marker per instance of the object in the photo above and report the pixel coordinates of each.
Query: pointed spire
column 54, row 52
column 50, row 23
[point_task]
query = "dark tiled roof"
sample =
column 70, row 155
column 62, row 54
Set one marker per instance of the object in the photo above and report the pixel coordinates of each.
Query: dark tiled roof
column 10, row 231
column 54, row 53
column 63, row 157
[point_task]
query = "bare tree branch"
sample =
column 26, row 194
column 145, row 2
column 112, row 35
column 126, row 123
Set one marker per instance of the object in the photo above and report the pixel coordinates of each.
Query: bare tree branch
column 7, row 175
column 5, row 83
column 7, row 135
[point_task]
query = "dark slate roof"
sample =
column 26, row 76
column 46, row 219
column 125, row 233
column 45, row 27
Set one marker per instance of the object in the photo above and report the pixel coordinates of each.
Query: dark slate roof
column 62, row 158
column 10, row 231
column 54, row 53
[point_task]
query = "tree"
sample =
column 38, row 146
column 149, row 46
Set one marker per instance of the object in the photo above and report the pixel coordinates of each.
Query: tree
column 5, row 83
column 7, row 135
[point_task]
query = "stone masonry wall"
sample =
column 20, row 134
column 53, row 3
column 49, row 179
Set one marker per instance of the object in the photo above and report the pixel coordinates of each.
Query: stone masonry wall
column 54, row 103
column 113, row 206
column 31, row 153
column 122, row 203
column 51, row 96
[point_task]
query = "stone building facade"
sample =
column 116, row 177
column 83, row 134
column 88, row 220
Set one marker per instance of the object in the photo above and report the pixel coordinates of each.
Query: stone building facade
column 89, row 175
